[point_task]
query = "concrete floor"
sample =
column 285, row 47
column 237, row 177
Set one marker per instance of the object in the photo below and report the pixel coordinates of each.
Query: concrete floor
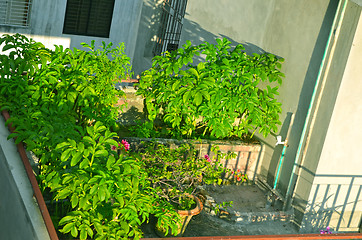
column 251, row 214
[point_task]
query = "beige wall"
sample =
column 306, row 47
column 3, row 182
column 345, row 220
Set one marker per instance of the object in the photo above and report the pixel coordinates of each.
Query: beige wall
column 340, row 164
column 329, row 182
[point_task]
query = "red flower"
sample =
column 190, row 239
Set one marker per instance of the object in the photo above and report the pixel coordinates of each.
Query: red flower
column 125, row 144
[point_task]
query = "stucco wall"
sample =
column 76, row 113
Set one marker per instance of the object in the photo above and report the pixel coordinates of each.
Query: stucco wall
column 330, row 189
column 47, row 19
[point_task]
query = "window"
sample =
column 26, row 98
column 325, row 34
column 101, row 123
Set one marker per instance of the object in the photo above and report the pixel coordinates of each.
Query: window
column 88, row 17
column 15, row 12
column 169, row 33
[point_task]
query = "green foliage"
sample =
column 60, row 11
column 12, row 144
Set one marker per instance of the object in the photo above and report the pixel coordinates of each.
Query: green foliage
column 228, row 94
column 174, row 174
column 143, row 130
column 62, row 107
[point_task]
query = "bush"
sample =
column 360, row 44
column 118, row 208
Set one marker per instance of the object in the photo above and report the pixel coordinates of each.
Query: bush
column 62, row 108
column 224, row 95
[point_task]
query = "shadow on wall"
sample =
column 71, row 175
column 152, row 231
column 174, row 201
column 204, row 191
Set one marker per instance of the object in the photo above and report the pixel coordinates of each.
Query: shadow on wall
column 336, row 205
column 148, row 29
column 305, row 97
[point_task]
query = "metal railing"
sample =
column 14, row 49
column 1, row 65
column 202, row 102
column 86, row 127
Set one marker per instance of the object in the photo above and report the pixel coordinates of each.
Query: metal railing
column 168, row 36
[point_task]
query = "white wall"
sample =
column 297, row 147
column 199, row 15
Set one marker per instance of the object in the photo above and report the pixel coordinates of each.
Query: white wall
column 47, row 19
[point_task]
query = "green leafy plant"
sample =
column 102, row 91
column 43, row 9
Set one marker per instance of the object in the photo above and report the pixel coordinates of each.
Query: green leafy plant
column 62, row 108
column 228, row 93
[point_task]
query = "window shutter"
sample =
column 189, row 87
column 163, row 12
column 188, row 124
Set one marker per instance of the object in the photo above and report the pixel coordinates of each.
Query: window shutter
column 88, row 17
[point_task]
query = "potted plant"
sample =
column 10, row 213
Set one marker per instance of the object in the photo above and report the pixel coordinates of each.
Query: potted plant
column 227, row 93
column 175, row 175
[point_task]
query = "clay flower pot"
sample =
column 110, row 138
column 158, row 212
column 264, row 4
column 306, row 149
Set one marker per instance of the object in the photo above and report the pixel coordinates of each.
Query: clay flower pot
column 185, row 215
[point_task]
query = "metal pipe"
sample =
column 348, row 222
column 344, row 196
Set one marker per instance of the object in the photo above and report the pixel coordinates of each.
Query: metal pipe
column 336, row 25
column 34, row 183
column 283, row 151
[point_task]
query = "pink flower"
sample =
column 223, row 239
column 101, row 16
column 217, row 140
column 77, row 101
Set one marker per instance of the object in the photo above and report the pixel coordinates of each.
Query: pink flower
column 207, row 158
column 125, row 144
column 114, row 148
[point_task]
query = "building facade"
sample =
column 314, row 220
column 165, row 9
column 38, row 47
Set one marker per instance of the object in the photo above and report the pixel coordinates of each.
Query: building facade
column 320, row 173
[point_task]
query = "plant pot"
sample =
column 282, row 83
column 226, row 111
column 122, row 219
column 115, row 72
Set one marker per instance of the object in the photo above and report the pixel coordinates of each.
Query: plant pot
column 185, row 215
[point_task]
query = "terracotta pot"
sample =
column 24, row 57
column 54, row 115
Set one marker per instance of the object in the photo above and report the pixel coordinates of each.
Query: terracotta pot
column 185, row 215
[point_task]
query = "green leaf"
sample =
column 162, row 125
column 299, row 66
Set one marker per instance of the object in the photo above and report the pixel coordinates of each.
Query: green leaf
column 101, row 193
column 95, row 200
column 225, row 61
column 66, row 219
column 67, row 179
column 84, row 163
column 94, row 189
column 200, row 66
column 63, row 193
column 8, row 46
column 62, row 145
column 89, row 139
column 111, row 160
column 101, row 153
column 198, row 98
column 65, row 155
column 68, row 227
column 83, row 202
column 74, row 231
column 76, row 158
column 186, row 96
column 74, row 200
column 111, row 142
column 194, row 72
column 83, row 232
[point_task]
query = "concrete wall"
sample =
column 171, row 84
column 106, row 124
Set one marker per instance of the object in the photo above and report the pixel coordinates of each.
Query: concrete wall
column 47, row 19
column 20, row 217
column 148, row 27
column 330, row 179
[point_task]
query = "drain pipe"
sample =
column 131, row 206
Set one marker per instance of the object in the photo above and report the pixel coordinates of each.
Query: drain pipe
column 303, row 142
